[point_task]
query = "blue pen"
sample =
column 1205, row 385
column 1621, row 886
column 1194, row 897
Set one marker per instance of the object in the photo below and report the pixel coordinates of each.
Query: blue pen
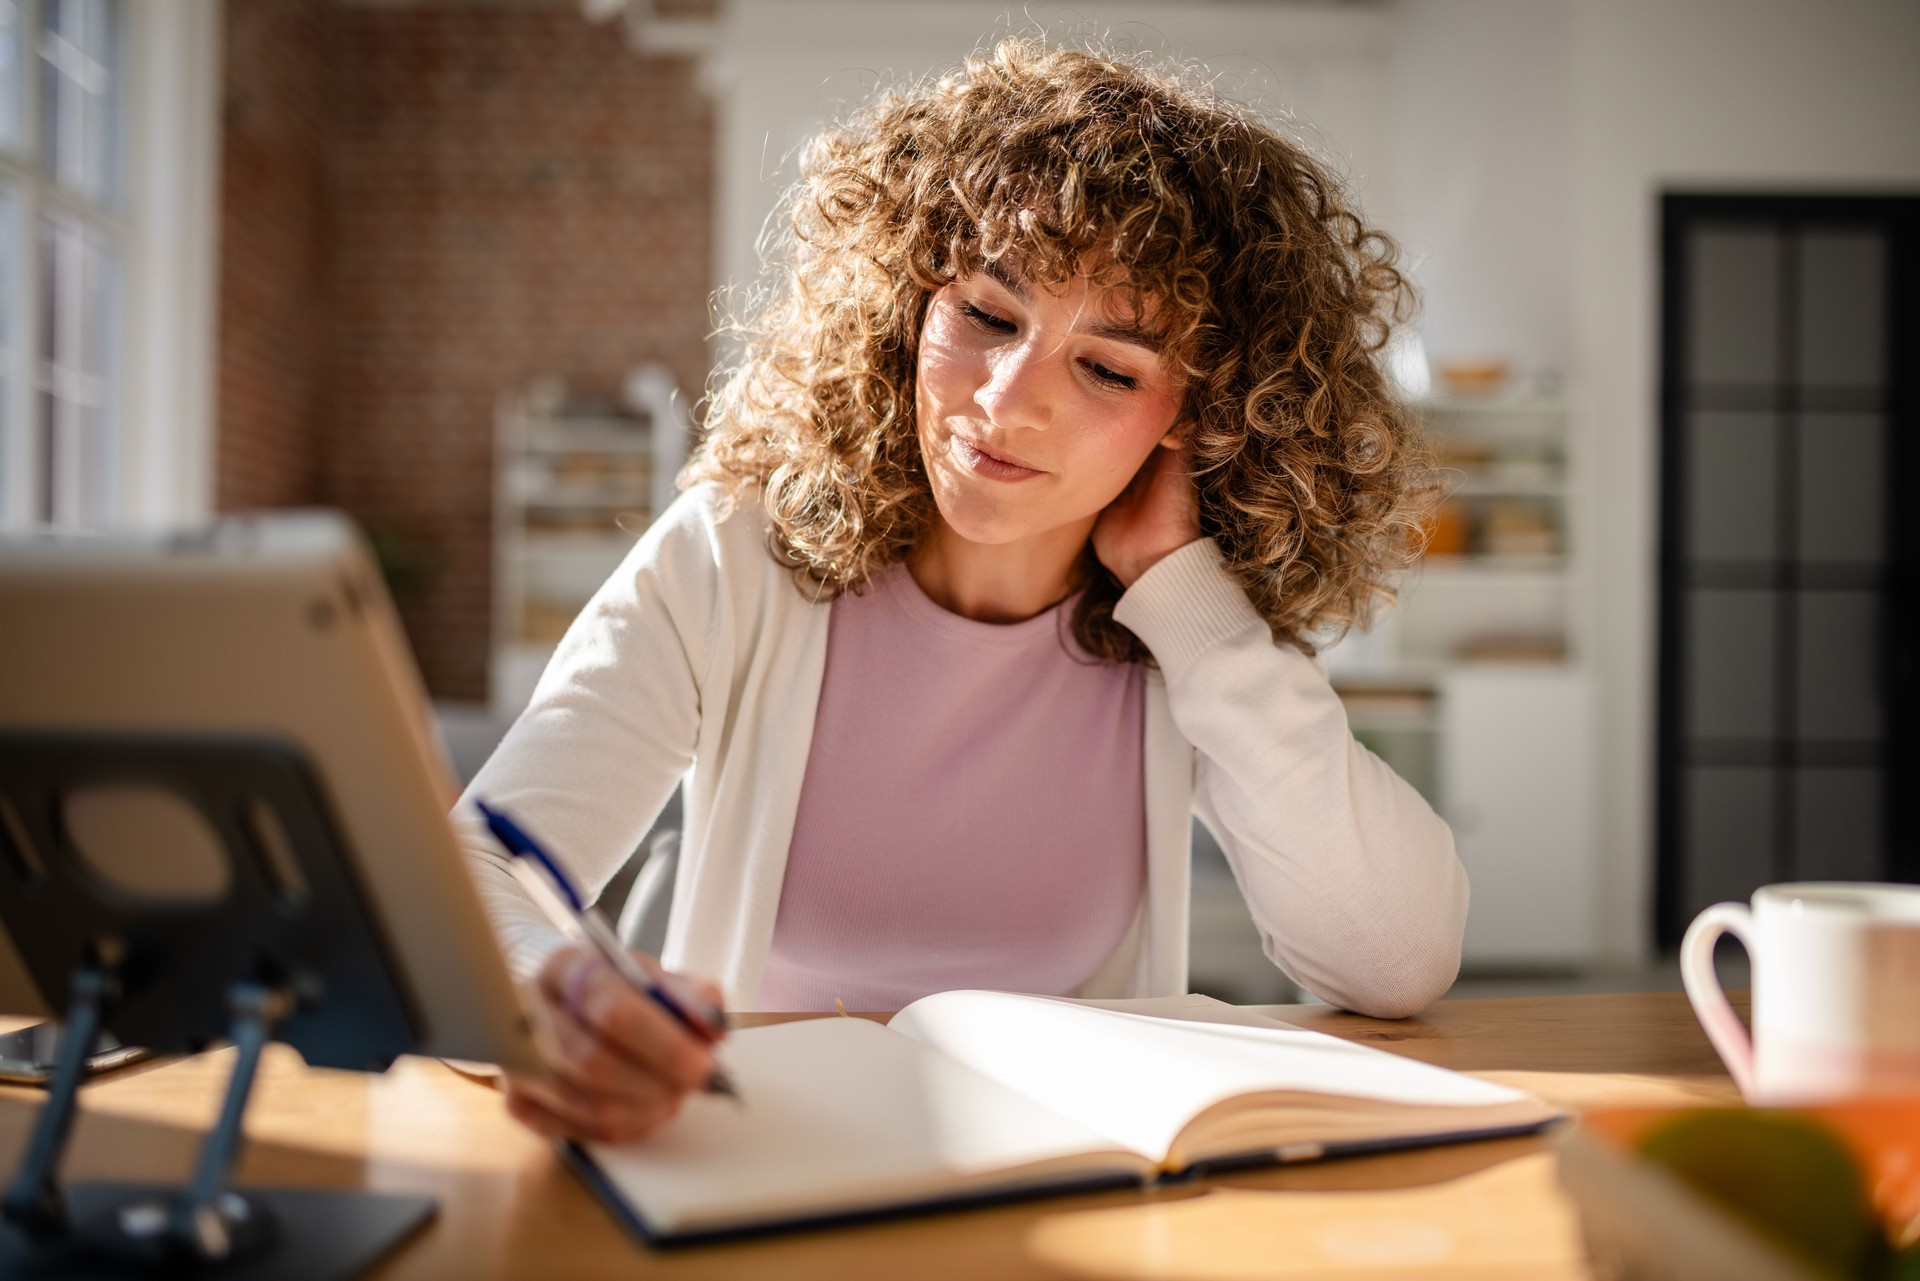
column 541, row 875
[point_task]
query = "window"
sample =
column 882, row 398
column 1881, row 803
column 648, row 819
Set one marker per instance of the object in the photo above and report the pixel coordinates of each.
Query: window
column 61, row 248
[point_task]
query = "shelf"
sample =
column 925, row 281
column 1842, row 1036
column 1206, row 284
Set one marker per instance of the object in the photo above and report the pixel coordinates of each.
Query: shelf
column 590, row 440
column 614, row 543
column 1383, row 708
column 1532, row 422
column 1509, row 743
column 523, row 486
column 1491, row 484
column 625, row 499
column 1491, row 405
column 1391, row 676
column 1505, row 570
column 578, row 479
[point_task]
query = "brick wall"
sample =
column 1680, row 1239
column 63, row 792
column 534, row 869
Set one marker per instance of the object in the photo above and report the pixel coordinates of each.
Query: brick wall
column 510, row 193
column 272, row 331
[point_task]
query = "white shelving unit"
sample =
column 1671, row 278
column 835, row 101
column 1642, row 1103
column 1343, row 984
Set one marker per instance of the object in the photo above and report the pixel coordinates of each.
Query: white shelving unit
column 575, row 485
column 1475, row 687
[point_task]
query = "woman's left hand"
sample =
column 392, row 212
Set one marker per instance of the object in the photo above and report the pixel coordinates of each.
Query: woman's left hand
column 1157, row 513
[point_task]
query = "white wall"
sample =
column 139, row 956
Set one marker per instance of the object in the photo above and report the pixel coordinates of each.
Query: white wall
column 1481, row 174
column 780, row 69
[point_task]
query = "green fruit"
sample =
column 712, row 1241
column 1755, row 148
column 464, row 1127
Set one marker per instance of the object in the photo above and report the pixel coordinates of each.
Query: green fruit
column 1788, row 1176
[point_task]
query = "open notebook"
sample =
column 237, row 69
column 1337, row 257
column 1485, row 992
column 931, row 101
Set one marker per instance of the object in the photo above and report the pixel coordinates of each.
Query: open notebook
column 971, row 1096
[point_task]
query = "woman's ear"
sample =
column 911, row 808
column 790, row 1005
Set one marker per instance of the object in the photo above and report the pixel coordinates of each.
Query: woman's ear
column 1176, row 436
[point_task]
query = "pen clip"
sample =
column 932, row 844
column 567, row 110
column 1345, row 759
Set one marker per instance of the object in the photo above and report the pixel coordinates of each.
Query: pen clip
column 521, row 845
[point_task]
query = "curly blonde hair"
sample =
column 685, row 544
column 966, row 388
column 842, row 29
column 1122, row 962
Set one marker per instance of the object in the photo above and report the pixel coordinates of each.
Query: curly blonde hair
column 1272, row 297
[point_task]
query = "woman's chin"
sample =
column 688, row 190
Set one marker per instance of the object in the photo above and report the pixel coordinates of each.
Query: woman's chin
column 987, row 531
column 979, row 518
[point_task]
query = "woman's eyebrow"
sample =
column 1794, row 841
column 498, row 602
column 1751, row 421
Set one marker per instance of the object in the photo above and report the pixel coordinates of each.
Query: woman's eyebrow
column 1131, row 334
column 1111, row 329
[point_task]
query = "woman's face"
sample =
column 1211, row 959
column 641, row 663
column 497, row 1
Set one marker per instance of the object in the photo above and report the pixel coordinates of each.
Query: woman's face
column 1035, row 408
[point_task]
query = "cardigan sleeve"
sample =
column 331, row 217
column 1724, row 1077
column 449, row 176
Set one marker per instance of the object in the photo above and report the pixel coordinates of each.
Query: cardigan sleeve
column 609, row 731
column 1351, row 877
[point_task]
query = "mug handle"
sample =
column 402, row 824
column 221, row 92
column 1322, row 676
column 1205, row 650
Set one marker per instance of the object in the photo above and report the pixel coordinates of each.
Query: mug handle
column 1710, row 1005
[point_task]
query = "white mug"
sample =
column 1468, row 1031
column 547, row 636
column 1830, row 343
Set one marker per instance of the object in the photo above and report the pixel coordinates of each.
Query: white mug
column 1836, row 990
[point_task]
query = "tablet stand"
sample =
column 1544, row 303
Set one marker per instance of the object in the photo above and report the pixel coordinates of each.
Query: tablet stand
column 288, row 952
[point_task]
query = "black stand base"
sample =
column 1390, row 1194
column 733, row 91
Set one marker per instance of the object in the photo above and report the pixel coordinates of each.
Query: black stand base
column 310, row 1236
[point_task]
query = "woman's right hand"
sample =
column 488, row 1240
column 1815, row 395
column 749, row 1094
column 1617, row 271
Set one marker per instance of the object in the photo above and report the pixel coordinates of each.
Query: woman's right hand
column 621, row 1065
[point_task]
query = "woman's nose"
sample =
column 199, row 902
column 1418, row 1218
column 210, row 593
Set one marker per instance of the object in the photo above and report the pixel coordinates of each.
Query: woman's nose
column 1015, row 393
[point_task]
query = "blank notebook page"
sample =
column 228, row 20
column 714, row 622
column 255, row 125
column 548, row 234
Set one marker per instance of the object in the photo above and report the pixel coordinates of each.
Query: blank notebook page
column 838, row 1105
column 1139, row 1080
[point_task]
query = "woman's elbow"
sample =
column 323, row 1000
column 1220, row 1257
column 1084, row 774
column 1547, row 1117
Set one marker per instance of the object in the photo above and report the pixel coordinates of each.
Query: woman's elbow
column 1424, row 959
column 1393, row 974
column 1407, row 991
column 1393, row 982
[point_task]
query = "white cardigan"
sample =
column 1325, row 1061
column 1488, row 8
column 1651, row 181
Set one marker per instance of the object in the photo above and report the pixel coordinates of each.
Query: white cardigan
column 700, row 657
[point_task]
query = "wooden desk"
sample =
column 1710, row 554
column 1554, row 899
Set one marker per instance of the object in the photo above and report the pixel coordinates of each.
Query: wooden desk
column 508, row 1208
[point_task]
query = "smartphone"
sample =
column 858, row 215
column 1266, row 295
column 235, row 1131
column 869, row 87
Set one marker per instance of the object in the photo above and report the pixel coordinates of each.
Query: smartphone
column 27, row 1056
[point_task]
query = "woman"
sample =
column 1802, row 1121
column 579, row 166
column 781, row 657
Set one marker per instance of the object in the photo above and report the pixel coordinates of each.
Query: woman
column 1059, row 440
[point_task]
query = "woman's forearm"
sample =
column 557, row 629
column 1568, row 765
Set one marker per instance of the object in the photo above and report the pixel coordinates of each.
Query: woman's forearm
column 1350, row 875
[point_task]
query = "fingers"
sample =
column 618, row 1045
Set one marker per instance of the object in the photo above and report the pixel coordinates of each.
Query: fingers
column 522, row 1107
column 591, row 1067
column 698, row 997
column 1167, row 467
column 556, row 1112
column 623, row 1024
column 1143, row 477
column 713, row 996
column 620, row 1065
column 1176, row 460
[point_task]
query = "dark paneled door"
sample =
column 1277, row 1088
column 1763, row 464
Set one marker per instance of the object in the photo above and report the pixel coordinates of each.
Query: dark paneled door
column 1788, row 386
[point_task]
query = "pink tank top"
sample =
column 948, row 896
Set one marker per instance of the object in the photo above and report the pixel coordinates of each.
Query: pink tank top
column 973, row 813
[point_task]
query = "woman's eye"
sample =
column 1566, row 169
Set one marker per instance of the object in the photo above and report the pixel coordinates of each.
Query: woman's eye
column 986, row 319
column 1111, row 377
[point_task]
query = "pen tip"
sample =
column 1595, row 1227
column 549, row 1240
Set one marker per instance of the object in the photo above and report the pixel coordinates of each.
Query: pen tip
column 720, row 1083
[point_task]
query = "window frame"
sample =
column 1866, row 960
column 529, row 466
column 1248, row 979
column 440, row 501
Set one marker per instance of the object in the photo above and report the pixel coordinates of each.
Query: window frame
column 160, row 226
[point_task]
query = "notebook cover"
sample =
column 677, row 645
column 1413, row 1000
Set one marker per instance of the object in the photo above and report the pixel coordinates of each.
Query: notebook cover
column 1362, row 1147
column 629, row 1214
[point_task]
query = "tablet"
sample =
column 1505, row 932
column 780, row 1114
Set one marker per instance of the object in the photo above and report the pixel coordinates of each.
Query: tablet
column 275, row 626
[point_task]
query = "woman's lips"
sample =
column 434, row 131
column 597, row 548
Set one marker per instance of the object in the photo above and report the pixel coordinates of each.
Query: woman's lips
column 981, row 461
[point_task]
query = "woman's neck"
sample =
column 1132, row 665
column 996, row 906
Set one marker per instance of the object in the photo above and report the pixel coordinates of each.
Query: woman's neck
column 998, row 582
